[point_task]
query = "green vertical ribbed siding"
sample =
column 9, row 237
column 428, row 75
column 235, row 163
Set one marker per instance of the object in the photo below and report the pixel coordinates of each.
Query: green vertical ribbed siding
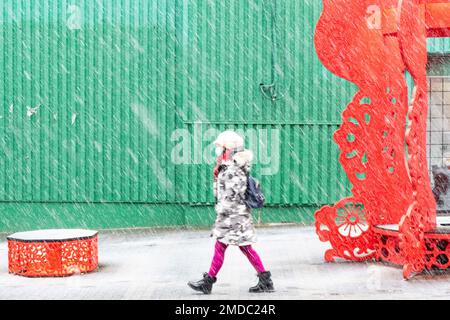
column 106, row 98
column 226, row 52
column 112, row 93
column 438, row 45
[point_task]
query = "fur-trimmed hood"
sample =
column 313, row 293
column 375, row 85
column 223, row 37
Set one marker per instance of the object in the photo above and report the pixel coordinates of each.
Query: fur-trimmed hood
column 243, row 158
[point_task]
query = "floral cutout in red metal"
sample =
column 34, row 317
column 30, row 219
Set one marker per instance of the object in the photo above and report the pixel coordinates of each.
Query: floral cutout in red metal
column 372, row 43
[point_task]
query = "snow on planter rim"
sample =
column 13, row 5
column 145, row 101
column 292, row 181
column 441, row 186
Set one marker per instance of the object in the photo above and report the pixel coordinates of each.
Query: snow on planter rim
column 53, row 235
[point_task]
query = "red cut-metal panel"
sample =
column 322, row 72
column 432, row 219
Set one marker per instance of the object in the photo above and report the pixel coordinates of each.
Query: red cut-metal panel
column 52, row 258
column 372, row 44
column 346, row 227
column 437, row 248
column 421, row 214
column 437, row 17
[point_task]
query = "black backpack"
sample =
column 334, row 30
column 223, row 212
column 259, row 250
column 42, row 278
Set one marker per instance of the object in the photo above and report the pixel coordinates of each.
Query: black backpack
column 254, row 198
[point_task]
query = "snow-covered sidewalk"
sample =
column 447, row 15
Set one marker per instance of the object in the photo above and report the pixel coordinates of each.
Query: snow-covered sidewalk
column 149, row 264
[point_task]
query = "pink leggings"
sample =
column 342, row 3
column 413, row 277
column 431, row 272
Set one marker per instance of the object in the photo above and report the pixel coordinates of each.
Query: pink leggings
column 219, row 256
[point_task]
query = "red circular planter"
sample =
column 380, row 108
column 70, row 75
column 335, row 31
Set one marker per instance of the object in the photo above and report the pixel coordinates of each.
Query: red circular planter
column 53, row 253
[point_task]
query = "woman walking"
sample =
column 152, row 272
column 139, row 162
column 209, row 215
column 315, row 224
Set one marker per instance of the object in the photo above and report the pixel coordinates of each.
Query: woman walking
column 234, row 222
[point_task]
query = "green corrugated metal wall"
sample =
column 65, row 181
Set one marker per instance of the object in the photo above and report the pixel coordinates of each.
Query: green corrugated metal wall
column 438, row 45
column 225, row 54
column 104, row 98
column 113, row 81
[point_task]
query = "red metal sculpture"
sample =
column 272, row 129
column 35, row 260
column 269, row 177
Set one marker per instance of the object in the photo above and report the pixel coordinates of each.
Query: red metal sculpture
column 372, row 43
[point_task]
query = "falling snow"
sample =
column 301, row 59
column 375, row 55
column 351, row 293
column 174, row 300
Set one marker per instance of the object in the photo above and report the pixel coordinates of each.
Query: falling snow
column 146, row 264
column 108, row 120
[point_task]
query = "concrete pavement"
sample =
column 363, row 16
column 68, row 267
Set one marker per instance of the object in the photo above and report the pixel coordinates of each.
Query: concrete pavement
column 156, row 264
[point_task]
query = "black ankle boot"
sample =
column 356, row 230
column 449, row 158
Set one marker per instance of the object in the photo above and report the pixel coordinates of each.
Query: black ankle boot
column 204, row 285
column 265, row 284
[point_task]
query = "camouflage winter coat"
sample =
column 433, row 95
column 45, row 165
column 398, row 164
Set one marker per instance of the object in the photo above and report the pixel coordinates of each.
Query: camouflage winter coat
column 234, row 223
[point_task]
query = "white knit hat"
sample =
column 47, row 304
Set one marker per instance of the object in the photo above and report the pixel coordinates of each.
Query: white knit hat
column 229, row 139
